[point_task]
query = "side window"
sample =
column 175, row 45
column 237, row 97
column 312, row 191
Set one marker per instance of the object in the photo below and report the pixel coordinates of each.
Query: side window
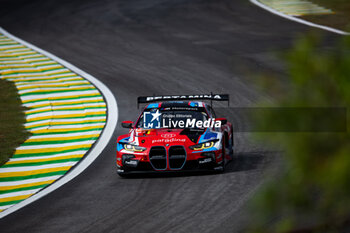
column 211, row 112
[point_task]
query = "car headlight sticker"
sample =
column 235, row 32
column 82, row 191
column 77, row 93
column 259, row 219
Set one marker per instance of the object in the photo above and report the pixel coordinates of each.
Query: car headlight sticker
column 134, row 148
column 203, row 146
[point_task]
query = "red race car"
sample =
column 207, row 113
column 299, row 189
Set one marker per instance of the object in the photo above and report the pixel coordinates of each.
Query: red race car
column 176, row 133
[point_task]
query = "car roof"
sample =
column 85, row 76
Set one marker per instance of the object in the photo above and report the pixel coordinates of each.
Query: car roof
column 176, row 104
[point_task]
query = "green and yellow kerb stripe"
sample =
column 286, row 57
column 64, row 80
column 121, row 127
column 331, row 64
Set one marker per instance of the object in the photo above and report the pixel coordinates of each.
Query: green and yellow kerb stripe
column 297, row 7
column 66, row 115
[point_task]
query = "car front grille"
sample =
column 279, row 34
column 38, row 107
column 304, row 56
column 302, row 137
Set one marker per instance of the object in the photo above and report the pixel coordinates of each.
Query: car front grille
column 177, row 157
column 158, row 158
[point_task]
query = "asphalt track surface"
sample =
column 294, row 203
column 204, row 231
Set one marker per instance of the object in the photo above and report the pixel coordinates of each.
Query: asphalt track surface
column 145, row 47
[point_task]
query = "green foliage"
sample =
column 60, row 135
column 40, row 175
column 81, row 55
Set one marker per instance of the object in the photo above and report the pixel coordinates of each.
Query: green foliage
column 312, row 191
column 12, row 118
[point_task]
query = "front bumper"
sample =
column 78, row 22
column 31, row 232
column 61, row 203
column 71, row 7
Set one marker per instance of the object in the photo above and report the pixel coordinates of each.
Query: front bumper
column 204, row 161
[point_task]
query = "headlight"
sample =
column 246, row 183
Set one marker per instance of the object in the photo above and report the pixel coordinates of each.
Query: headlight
column 134, row 148
column 203, row 146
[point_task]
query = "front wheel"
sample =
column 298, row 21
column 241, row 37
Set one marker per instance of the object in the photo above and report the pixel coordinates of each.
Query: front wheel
column 232, row 148
column 222, row 167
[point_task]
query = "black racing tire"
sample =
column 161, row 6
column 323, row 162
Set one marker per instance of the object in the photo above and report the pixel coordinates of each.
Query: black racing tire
column 221, row 168
column 223, row 156
column 232, row 144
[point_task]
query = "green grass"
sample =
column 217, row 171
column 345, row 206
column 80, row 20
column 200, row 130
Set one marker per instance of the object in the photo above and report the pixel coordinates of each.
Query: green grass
column 12, row 119
column 339, row 20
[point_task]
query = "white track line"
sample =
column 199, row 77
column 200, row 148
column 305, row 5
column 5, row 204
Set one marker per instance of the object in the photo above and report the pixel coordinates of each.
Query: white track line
column 112, row 118
column 273, row 11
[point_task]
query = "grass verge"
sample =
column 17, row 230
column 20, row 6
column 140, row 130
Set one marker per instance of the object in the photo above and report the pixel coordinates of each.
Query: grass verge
column 12, row 119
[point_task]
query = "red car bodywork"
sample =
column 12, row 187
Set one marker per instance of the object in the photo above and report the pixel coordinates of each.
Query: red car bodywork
column 175, row 149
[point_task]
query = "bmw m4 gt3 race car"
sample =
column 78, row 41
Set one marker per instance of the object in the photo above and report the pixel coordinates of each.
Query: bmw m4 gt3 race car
column 176, row 133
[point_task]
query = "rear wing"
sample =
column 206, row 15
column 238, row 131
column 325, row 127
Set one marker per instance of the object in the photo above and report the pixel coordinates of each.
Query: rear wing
column 159, row 98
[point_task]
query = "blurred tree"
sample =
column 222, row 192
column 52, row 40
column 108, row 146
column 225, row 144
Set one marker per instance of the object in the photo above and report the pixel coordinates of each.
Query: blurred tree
column 312, row 192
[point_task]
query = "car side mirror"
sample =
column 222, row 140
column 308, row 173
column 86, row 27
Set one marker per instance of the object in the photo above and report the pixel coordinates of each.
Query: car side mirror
column 223, row 120
column 127, row 124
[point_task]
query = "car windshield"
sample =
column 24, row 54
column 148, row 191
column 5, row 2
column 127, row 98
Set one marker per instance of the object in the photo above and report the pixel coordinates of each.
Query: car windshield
column 174, row 117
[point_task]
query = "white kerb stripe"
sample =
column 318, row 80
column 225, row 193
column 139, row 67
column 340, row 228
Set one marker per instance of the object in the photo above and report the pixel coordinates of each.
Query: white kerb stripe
column 28, row 181
column 34, row 168
column 79, row 152
column 20, row 193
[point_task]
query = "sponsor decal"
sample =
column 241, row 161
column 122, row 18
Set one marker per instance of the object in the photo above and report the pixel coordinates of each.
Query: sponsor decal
column 170, row 135
column 155, row 120
column 131, row 162
column 162, row 140
column 207, row 160
column 191, row 123
column 151, row 120
column 153, row 98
